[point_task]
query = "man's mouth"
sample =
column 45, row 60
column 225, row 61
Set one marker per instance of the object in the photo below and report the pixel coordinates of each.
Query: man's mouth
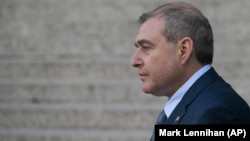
column 142, row 76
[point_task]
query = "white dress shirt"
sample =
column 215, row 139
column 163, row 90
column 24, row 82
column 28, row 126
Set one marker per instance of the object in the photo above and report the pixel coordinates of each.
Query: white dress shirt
column 177, row 96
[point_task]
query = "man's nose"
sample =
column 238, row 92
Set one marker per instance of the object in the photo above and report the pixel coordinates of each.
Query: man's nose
column 136, row 60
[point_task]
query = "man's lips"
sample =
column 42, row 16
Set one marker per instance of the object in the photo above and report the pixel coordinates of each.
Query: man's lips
column 142, row 75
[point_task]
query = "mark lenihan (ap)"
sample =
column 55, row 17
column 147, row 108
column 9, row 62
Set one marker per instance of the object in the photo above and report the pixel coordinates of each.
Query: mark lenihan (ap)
column 177, row 132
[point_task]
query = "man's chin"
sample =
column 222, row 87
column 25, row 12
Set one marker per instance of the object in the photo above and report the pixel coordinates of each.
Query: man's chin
column 153, row 92
column 149, row 91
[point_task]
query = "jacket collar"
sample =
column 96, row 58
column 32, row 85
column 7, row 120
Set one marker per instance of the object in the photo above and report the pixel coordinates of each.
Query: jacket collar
column 180, row 110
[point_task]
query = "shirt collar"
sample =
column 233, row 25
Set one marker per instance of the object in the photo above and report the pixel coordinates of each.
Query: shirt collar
column 177, row 96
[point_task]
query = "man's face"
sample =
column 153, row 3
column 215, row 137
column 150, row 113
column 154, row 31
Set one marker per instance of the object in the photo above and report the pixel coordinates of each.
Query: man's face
column 156, row 59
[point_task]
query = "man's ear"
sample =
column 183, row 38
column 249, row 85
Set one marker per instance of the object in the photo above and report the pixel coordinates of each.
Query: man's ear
column 185, row 49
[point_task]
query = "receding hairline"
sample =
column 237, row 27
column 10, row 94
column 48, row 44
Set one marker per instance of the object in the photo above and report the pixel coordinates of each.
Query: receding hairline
column 174, row 6
column 182, row 19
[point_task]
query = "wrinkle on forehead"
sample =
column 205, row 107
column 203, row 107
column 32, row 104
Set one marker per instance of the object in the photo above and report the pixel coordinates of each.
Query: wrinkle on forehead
column 151, row 29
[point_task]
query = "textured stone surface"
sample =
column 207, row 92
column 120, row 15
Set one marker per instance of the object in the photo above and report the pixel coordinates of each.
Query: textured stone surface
column 65, row 72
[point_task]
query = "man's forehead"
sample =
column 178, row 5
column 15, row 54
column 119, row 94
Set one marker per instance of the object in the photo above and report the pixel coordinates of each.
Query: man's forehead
column 153, row 23
column 150, row 29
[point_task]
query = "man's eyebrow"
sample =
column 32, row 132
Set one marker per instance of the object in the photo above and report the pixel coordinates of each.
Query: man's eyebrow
column 143, row 41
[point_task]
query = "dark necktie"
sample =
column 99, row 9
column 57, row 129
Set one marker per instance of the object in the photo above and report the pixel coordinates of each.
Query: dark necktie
column 161, row 119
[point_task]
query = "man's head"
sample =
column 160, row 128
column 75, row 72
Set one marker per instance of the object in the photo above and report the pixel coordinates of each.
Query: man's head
column 184, row 20
column 174, row 40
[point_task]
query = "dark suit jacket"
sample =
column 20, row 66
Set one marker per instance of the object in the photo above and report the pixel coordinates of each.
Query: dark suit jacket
column 211, row 101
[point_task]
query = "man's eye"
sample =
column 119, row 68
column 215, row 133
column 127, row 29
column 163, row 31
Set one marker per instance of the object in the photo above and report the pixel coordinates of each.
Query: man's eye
column 146, row 47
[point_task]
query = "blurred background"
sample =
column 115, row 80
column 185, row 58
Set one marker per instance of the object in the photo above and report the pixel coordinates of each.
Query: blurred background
column 65, row 71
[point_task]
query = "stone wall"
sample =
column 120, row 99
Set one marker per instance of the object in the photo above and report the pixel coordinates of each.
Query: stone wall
column 65, row 70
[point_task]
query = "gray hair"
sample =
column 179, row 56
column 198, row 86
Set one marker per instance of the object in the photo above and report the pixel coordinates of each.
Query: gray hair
column 184, row 20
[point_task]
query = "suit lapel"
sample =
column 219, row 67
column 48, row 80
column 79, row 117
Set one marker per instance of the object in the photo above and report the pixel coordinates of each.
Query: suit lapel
column 180, row 110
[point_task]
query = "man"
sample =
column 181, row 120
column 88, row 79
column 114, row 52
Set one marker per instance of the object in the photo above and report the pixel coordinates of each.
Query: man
column 173, row 57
